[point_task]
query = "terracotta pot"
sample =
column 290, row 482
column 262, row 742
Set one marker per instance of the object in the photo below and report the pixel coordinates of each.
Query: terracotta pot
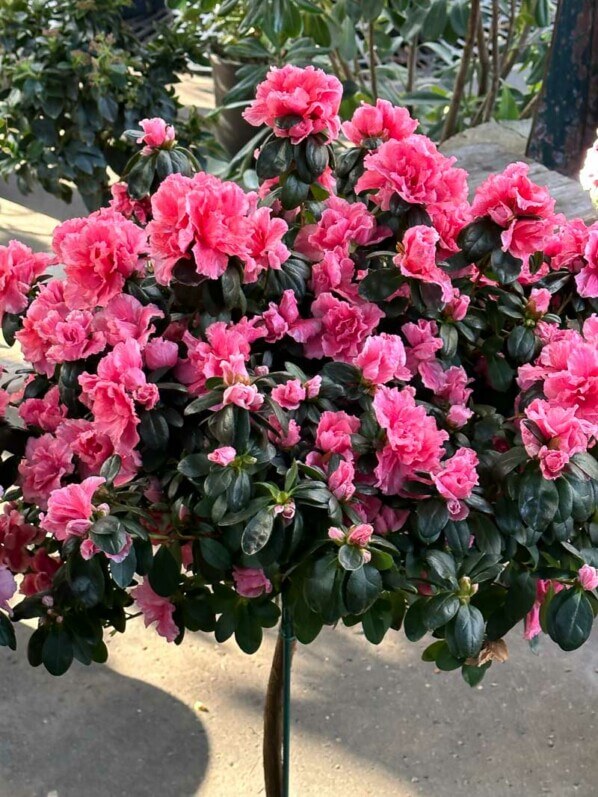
column 233, row 132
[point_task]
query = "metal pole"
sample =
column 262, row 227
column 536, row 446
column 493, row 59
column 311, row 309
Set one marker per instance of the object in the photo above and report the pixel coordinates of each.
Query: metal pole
column 288, row 637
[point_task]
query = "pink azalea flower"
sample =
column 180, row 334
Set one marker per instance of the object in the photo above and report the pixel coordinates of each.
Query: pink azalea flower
column 135, row 209
column 457, row 308
column 8, row 587
column 342, row 224
column 125, row 317
column 285, row 440
column 222, row 456
column 334, row 273
column 383, row 359
column 334, row 432
column 423, row 343
column 290, row 394
column 388, row 520
column 20, row 267
column 71, row 508
column 99, row 254
column 344, row 327
column 157, row 134
column 251, row 582
column 15, row 537
column 266, row 249
column 46, row 413
column 160, row 353
column 360, row 535
column 417, row 260
column 156, row 609
column 306, row 93
column 567, row 246
column 455, row 480
column 381, row 121
column 245, row 396
column 532, row 627
column 587, row 279
column 523, row 209
column 539, row 301
column 47, row 460
column 340, row 481
column 588, row 577
column 414, row 440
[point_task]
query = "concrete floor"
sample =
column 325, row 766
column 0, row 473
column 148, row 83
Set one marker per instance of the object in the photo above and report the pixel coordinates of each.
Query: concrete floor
column 186, row 722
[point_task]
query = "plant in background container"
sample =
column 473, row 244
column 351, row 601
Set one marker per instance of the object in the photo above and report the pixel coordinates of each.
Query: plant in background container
column 353, row 395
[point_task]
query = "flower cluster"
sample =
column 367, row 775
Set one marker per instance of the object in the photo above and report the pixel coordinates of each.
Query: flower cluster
column 352, row 389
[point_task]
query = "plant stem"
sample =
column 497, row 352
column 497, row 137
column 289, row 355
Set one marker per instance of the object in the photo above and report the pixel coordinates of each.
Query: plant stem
column 453, row 112
column 484, row 59
column 276, row 729
column 372, row 49
column 411, row 65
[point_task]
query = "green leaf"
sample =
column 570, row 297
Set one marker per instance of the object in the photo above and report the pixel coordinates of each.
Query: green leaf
column 479, row 238
column 122, row 572
column 165, row 574
column 519, row 600
column 376, row 622
column 350, row 557
column 510, row 460
column 431, row 516
column 153, row 430
column 274, row 159
column 248, row 632
column 362, row 588
column 443, row 566
column 111, row 468
column 319, row 586
column 538, row 500
column 587, row 463
column 7, row 633
column 194, row 466
column 415, row 624
column 465, row 633
column 86, row 580
column 506, row 267
column 257, row 532
column 294, row 192
column 378, row 285
column 570, row 618
column 472, row 675
column 57, row 651
column 500, row 374
column 205, row 402
column 108, row 534
column 440, row 610
column 215, row 553
column 521, row 344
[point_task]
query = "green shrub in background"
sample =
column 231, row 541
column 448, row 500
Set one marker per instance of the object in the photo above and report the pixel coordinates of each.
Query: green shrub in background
column 455, row 62
column 73, row 77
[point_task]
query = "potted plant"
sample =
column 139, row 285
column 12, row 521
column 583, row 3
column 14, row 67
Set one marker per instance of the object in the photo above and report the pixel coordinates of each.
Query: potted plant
column 376, row 407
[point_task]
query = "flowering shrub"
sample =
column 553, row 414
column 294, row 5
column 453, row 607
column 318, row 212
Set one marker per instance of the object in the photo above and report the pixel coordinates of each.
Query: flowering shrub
column 352, row 388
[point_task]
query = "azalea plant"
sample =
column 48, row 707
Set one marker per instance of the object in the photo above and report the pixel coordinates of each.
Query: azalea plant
column 352, row 392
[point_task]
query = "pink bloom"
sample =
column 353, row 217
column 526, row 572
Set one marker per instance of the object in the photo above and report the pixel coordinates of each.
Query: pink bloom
column 458, row 416
column 334, row 432
column 455, row 480
column 20, row 267
column 160, row 353
column 383, row 359
column 251, row 582
column 344, row 327
column 417, row 260
column 245, row 396
column 576, row 385
column 559, row 426
column 308, row 94
column 334, row 273
column 92, row 448
column 279, row 437
column 71, row 508
column 523, row 209
column 204, row 221
column 312, row 387
column 341, row 480
column 125, row 317
column 37, row 334
column 457, row 308
column 341, row 224
column 222, row 456
column 360, row 535
column 587, row 279
column 388, row 520
column 566, row 247
column 539, row 301
column 266, row 249
column 46, row 413
column 381, row 121
column 43, row 567
column 156, row 134
column 450, row 385
column 588, row 577
column 290, row 394
column 99, row 254
column 8, row 587
column 414, row 440
column 136, row 209
column 423, row 343
column 552, row 462
column 156, row 609
column 336, row 534
column 532, row 627
column 47, row 460
column 15, row 537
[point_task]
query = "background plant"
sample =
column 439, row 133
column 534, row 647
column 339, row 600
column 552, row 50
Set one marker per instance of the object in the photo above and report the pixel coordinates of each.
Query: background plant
column 72, row 79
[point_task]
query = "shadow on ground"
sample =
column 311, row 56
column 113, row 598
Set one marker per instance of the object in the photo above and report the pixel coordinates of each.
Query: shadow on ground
column 94, row 733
